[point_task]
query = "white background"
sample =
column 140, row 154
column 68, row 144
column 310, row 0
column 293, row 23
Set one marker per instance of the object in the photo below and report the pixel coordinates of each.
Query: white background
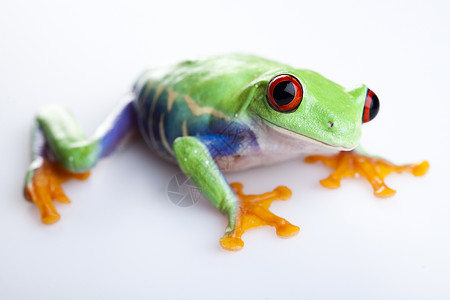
column 121, row 238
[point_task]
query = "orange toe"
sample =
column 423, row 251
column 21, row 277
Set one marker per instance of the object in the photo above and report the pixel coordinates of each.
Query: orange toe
column 352, row 164
column 45, row 186
column 254, row 212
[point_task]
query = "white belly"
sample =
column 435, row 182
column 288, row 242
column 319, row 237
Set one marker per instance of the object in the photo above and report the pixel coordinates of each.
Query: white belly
column 274, row 146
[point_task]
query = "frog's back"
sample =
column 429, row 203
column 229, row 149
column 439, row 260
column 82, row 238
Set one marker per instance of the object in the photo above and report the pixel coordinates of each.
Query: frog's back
column 196, row 97
column 213, row 81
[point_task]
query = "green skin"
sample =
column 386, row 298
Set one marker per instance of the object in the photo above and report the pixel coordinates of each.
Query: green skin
column 235, row 88
column 237, row 84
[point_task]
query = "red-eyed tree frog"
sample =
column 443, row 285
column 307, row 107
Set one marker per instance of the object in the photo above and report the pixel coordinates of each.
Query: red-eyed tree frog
column 219, row 114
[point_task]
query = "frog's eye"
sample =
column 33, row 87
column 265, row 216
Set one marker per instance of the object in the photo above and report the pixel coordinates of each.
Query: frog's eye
column 284, row 93
column 371, row 106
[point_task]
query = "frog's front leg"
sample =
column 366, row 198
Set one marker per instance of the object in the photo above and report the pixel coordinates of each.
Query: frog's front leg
column 60, row 152
column 374, row 169
column 243, row 211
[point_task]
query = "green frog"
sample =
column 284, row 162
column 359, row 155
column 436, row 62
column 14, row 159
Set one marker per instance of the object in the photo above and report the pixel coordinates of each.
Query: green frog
column 219, row 114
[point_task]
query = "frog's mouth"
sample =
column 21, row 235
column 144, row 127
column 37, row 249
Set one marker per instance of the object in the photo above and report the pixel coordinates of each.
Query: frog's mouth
column 301, row 137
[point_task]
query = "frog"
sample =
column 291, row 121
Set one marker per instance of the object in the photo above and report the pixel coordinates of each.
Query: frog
column 215, row 115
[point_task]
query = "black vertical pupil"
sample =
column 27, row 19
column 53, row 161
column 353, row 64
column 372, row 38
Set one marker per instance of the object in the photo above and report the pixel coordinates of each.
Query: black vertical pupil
column 284, row 93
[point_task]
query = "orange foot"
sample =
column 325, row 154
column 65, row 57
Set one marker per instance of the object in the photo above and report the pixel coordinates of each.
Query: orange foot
column 254, row 212
column 45, row 185
column 349, row 164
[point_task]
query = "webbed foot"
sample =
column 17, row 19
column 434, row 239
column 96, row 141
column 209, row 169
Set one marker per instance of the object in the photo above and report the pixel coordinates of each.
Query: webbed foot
column 349, row 164
column 254, row 212
column 44, row 185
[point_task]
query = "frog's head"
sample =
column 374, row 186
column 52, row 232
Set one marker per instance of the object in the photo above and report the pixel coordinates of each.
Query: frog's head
column 305, row 105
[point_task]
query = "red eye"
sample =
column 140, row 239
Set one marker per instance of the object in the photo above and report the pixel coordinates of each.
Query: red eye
column 284, row 93
column 371, row 106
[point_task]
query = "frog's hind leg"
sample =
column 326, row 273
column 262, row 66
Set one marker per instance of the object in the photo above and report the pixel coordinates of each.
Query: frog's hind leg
column 374, row 169
column 60, row 151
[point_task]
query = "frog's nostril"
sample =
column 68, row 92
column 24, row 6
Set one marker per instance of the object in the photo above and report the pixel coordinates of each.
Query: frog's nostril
column 371, row 106
column 330, row 124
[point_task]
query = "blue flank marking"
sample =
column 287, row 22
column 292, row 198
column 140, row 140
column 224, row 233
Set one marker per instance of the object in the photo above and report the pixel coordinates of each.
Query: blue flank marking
column 222, row 137
column 121, row 126
column 228, row 138
column 39, row 146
